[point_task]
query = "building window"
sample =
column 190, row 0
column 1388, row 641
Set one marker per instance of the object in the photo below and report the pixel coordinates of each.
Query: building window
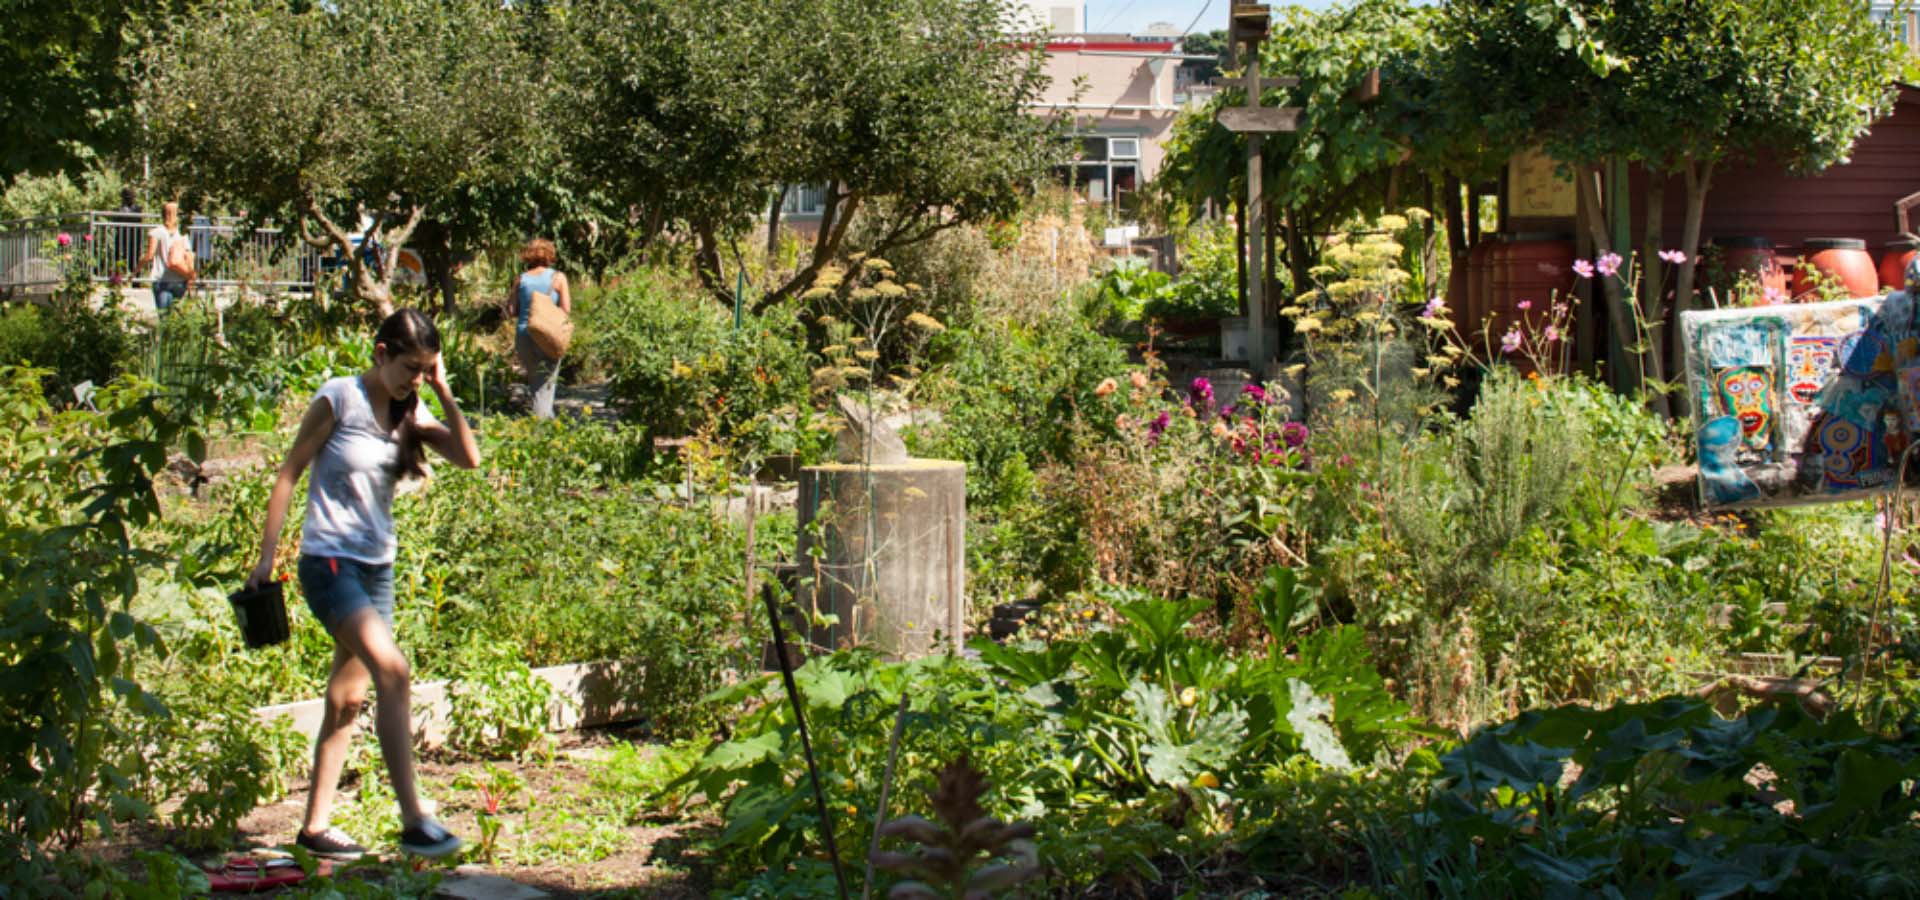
column 805, row 201
column 1107, row 169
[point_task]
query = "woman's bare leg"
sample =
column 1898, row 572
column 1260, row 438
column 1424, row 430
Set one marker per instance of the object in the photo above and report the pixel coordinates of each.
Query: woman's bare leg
column 346, row 696
column 365, row 635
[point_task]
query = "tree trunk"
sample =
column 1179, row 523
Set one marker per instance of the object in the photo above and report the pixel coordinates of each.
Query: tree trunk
column 436, row 260
column 707, row 263
column 773, row 225
column 833, row 232
column 1653, row 275
column 1620, row 318
column 1455, row 211
column 1699, row 181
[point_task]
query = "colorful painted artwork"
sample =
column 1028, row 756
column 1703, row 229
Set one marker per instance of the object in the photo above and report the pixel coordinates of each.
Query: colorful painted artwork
column 1803, row 403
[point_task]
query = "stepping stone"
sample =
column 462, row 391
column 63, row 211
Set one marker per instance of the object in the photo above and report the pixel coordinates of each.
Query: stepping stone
column 473, row 883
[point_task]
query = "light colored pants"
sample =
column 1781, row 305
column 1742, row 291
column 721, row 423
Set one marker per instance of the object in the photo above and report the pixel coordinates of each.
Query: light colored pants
column 543, row 375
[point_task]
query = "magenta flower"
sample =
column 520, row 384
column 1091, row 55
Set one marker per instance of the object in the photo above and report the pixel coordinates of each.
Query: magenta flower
column 1258, row 393
column 1200, row 394
column 1608, row 264
column 1583, row 268
column 1675, row 257
column 1294, row 433
column 1158, row 427
column 1510, row 341
column 64, row 239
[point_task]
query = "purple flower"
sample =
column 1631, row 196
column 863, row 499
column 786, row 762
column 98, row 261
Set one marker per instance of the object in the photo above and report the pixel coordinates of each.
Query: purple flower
column 64, row 240
column 1158, row 426
column 1675, row 257
column 1510, row 341
column 1583, row 268
column 1200, row 395
column 1608, row 264
column 1294, row 433
column 1435, row 307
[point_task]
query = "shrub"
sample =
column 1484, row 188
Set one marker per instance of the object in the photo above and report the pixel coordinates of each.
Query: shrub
column 678, row 365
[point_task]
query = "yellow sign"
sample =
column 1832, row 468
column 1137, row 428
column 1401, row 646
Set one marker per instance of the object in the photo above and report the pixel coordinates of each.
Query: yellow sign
column 1536, row 189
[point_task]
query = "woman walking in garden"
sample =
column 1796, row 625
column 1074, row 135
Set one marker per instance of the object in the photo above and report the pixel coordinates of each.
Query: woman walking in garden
column 363, row 434
column 540, row 277
column 169, row 283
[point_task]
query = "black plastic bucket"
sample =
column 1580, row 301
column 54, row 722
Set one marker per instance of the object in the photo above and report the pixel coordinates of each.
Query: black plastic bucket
column 262, row 612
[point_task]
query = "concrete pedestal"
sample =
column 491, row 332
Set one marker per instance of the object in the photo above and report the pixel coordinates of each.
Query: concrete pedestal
column 884, row 548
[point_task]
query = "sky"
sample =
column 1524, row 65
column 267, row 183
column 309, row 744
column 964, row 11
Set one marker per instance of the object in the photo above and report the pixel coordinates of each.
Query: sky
column 1136, row 15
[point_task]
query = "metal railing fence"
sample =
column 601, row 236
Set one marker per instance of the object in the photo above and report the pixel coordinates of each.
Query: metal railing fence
column 230, row 251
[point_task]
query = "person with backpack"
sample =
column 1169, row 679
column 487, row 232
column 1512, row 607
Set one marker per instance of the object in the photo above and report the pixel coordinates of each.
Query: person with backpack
column 363, row 434
column 545, row 283
column 169, row 259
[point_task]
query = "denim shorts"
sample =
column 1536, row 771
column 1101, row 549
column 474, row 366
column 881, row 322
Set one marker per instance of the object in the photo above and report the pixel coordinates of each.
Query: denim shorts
column 337, row 587
column 167, row 292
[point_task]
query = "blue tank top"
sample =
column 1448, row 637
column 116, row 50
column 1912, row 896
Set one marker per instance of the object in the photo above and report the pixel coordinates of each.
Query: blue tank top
column 524, row 290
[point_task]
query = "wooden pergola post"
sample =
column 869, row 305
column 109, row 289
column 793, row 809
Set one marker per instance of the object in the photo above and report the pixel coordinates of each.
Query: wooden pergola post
column 1248, row 31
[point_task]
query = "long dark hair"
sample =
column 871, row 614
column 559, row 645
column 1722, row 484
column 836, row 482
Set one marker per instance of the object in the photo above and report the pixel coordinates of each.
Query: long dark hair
column 408, row 331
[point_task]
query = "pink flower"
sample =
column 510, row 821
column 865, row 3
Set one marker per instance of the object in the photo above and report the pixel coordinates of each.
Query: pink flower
column 1157, row 427
column 1551, row 334
column 1435, row 307
column 1583, row 268
column 1523, row 305
column 1676, row 257
column 1608, row 264
column 1510, row 341
column 87, row 238
column 1294, row 433
column 64, row 239
column 1774, row 296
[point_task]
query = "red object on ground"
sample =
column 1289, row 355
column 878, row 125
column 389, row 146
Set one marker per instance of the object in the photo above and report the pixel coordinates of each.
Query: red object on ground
column 1893, row 263
column 1753, row 255
column 250, row 874
column 1843, row 258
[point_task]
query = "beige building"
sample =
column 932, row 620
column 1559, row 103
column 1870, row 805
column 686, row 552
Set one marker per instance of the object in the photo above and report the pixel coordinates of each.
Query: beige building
column 1118, row 93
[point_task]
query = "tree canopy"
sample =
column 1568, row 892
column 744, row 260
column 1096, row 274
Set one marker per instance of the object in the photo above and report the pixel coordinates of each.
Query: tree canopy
column 691, row 115
column 378, row 108
column 64, row 92
column 1677, row 86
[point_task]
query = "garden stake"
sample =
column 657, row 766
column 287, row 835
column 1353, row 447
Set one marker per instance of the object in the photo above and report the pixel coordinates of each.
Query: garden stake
column 886, row 787
column 806, row 746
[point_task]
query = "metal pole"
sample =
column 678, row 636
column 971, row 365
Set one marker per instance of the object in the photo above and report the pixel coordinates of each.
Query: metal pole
column 806, row 745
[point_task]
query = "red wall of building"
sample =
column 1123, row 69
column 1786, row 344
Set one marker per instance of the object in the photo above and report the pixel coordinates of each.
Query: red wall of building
column 1853, row 200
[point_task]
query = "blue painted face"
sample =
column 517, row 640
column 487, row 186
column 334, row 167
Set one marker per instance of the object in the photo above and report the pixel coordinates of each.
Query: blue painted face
column 1913, row 274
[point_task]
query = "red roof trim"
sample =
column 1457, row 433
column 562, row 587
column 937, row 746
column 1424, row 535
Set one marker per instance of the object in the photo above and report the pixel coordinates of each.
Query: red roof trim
column 1141, row 46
